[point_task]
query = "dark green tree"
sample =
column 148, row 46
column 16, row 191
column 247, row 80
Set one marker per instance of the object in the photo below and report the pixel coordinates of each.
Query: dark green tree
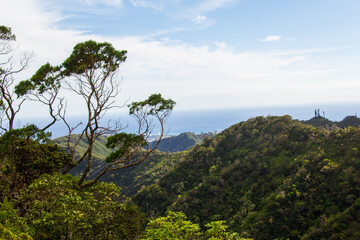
column 91, row 73
column 25, row 156
column 56, row 208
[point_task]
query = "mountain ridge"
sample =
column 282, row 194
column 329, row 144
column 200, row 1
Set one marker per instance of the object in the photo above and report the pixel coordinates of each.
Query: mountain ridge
column 270, row 177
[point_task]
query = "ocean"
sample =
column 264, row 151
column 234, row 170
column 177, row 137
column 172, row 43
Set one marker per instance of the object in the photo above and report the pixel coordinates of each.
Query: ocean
column 202, row 121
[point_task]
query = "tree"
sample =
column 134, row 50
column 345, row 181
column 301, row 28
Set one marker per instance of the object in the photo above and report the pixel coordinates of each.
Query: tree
column 56, row 208
column 9, row 104
column 175, row 226
column 91, row 73
column 12, row 226
column 13, row 93
column 24, row 159
column 25, row 153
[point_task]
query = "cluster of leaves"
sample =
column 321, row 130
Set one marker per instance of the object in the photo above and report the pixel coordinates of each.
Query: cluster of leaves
column 6, row 34
column 269, row 178
column 132, row 179
column 12, row 226
column 176, row 226
column 56, row 208
column 25, row 156
column 36, row 201
column 53, row 207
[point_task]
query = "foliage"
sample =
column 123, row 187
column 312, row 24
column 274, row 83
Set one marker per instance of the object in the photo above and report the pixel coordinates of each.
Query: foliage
column 269, row 178
column 182, row 142
column 100, row 149
column 132, row 179
column 43, row 80
column 154, row 105
column 175, row 226
column 321, row 121
column 7, row 234
column 218, row 230
column 23, row 159
column 90, row 72
column 90, row 55
column 6, row 34
column 349, row 121
column 123, row 142
column 55, row 208
column 12, row 226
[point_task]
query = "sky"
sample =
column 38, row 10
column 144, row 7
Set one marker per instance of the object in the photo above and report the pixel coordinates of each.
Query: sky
column 205, row 54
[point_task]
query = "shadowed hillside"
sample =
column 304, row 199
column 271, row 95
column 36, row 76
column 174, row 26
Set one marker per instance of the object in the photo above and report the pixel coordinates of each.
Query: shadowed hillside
column 134, row 178
column 271, row 178
column 181, row 142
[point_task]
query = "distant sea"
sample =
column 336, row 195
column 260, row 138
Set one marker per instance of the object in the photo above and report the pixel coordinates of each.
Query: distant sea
column 202, row 121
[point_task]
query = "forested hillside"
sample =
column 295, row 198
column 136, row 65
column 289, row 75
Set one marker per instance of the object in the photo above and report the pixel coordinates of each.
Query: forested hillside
column 266, row 178
column 181, row 142
column 270, row 178
column 320, row 121
column 134, row 178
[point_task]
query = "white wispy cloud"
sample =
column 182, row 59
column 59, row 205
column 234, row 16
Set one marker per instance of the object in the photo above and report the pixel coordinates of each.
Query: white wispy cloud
column 195, row 76
column 114, row 3
column 211, row 5
column 196, row 12
column 199, row 19
column 271, row 38
column 157, row 5
column 221, row 45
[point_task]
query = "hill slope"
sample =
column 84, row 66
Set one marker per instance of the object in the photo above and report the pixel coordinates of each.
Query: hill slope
column 131, row 180
column 181, row 142
column 269, row 178
column 319, row 121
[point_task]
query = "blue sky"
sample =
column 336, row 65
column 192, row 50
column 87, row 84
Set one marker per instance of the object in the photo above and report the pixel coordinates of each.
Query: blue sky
column 207, row 54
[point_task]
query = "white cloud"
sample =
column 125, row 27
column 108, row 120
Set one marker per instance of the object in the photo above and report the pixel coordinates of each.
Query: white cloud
column 221, row 45
column 194, row 76
column 114, row 3
column 197, row 11
column 271, row 38
column 157, row 5
column 199, row 19
column 211, row 5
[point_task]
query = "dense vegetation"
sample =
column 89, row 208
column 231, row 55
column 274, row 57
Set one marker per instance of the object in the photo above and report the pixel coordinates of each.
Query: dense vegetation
column 132, row 179
column 50, row 205
column 181, row 142
column 38, row 199
column 320, row 121
column 266, row 178
column 269, row 178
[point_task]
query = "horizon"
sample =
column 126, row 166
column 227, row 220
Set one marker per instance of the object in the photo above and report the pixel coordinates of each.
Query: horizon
column 203, row 121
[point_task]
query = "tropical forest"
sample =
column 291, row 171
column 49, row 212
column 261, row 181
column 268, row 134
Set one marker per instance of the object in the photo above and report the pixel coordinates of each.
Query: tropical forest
column 269, row 177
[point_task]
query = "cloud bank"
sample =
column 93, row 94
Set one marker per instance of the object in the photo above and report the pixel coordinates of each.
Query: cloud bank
column 197, row 77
